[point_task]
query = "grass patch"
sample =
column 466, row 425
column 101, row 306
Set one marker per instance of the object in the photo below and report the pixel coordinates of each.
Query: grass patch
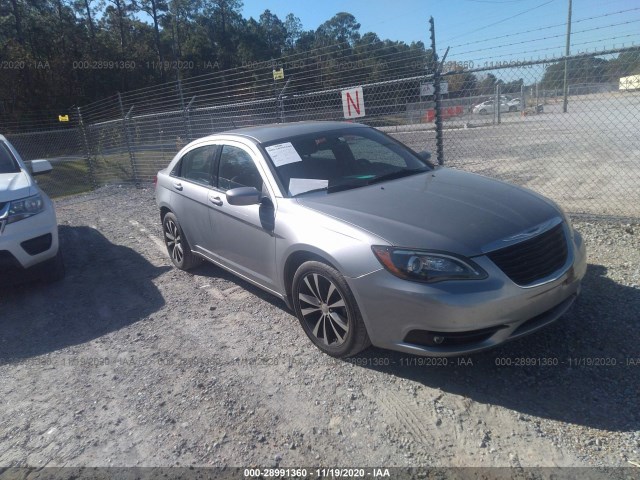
column 66, row 178
column 117, row 166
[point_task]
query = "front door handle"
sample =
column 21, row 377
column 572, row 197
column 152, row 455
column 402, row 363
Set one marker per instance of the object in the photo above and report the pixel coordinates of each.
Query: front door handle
column 177, row 186
column 215, row 200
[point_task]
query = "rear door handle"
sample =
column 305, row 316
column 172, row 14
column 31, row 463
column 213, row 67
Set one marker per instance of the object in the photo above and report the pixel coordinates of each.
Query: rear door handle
column 177, row 186
column 215, row 200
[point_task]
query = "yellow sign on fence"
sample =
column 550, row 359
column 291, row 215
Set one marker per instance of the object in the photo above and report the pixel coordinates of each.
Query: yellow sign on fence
column 63, row 118
column 278, row 74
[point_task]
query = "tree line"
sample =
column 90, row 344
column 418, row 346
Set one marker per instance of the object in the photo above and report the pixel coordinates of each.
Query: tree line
column 59, row 53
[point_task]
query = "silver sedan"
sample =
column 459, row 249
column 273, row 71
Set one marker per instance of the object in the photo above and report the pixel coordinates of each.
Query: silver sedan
column 367, row 241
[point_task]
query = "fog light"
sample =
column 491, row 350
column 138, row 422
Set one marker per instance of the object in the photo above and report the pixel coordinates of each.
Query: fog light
column 438, row 340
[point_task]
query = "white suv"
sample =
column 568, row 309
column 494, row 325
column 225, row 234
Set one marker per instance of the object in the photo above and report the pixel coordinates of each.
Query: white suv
column 28, row 227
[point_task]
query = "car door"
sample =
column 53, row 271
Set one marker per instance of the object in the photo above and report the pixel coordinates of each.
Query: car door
column 243, row 238
column 192, row 180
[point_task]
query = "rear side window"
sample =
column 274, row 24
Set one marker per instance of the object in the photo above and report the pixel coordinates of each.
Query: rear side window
column 197, row 165
column 7, row 162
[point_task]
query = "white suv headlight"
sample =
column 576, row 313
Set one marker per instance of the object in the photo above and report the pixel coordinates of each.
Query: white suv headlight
column 24, row 208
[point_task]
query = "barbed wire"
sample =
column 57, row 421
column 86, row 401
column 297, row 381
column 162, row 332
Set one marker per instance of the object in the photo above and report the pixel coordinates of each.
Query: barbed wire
column 561, row 35
column 517, row 34
column 560, row 47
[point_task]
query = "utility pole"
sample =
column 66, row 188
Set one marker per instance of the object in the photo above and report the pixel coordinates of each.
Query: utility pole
column 566, row 61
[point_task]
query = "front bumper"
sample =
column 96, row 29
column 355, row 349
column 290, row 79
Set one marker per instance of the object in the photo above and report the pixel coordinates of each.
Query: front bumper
column 29, row 242
column 471, row 315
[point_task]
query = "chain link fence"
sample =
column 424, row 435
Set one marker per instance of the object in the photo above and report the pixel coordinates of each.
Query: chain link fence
column 583, row 152
column 506, row 121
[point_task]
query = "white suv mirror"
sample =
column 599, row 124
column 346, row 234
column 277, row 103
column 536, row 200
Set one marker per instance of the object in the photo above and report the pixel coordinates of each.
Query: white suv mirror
column 38, row 167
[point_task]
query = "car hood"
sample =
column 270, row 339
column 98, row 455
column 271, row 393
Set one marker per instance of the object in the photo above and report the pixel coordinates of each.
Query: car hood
column 14, row 186
column 444, row 209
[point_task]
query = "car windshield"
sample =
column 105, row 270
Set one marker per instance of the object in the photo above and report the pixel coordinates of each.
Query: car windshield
column 7, row 163
column 341, row 159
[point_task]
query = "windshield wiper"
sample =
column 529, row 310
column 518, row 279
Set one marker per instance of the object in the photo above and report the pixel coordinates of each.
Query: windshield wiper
column 364, row 182
column 320, row 189
column 397, row 174
column 347, row 186
column 336, row 188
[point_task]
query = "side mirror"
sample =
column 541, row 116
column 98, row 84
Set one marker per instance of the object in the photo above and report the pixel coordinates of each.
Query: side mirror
column 424, row 155
column 38, row 167
column 243, row 196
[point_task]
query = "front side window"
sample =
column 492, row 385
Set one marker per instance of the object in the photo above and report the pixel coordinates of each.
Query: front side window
column 237, row 169
column 197, row 165
column 7, row 163
column 341, row 159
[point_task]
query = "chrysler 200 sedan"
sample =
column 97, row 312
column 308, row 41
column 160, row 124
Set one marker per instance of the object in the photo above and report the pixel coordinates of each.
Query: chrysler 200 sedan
column 367, row 241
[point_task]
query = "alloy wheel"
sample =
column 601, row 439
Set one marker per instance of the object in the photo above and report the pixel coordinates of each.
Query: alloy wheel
column 173, row 240
column 324, row 310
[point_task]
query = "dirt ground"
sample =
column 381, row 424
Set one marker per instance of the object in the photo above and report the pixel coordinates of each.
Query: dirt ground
column 130, row 362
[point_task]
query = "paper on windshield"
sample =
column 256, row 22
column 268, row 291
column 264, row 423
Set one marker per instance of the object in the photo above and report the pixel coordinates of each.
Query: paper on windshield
column 301, row 185
column 283, row 153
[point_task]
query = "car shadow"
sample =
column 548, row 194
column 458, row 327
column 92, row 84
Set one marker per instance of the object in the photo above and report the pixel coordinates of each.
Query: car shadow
column 209, row 270
column 106, row 288
column 593, row 379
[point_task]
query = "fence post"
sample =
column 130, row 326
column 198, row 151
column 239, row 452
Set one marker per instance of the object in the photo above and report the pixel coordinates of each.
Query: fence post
column 281, row 100
column 187, row 117
column 436, row 87
column 187, row 125
column 496, row 110
column 87, row 151
column 125, row 130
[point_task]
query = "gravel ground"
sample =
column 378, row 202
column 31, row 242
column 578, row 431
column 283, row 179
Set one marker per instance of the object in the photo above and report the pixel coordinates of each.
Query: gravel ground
column 129, row 362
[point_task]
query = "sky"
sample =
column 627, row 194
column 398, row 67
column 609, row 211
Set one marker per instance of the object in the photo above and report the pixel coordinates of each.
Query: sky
column 479, row 30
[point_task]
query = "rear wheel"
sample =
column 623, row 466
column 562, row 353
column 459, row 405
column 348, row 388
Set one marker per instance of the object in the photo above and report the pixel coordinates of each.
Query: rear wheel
column 327, row 310
column 177, row 245
column 483, row 112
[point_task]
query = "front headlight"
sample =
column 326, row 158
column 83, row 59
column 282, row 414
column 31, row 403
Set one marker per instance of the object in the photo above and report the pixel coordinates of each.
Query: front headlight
column 24, row 208
column 425, row 266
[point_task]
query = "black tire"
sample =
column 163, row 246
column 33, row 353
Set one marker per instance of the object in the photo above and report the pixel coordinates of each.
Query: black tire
column 483, row 112
column 512, row 109
column 53, row 270
column 329, row 316
column 177, row 246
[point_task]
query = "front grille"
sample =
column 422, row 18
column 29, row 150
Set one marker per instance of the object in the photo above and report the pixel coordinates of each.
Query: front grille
column 534, row 259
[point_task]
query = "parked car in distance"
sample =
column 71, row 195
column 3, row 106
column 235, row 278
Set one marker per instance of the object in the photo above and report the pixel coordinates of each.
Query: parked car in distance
column 367, row 241
column 514, row 104
column 28, row 227
column 487, row 107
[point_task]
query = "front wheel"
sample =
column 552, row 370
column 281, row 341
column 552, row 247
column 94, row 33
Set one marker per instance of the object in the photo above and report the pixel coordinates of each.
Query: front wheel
column 483, row 112
column 327, row 310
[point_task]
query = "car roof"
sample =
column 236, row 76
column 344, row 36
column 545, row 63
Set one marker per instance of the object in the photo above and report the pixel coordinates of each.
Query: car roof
column 277, row 131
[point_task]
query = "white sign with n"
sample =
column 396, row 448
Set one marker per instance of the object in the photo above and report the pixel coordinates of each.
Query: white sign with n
column 353, row 103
